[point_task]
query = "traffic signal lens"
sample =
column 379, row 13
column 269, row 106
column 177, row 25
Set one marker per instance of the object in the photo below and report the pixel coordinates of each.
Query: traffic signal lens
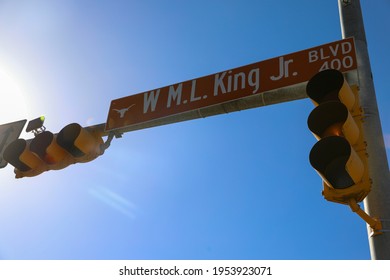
column 335, row 129
column 336, row 174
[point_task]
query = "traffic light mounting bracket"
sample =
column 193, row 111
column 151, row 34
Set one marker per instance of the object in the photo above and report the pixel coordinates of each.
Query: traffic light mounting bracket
column 111, row 136
column 374, row 223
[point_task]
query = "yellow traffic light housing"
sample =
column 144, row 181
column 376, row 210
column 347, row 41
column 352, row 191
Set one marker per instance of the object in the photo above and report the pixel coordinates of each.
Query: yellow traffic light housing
column 340, row 155
column 81, row 144
column 48, row 151
column 45, row 146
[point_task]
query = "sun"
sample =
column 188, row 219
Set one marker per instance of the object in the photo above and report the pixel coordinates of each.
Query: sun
column 13, row 106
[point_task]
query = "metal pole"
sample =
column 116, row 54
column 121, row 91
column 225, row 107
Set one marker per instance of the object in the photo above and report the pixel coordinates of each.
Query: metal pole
column 377, row 203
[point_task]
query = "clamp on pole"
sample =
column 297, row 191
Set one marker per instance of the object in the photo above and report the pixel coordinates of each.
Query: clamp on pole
column 111, row 135
column 375, row 224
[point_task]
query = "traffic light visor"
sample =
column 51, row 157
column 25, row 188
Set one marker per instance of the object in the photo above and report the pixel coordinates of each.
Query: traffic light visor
column 332, row 118
column 336, row 162
column 45, row 146
column 330, row 85
column 79, row 142
column 19, row 156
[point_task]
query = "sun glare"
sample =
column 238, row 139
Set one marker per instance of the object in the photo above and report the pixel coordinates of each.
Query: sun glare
column 13, row 105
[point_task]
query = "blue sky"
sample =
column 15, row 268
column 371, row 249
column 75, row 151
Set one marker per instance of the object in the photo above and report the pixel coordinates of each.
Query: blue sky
column 233, row 186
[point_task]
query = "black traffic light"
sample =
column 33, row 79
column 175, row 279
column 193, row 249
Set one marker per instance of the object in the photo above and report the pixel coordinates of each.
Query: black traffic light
column 340, row 155
column 36, row 125
column 48, row 151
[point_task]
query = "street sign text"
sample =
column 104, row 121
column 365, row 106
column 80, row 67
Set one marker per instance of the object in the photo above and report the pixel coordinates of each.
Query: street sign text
column 233, row 84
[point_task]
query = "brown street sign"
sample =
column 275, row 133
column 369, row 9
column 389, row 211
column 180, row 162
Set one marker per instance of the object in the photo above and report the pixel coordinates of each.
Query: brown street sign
column 232, row 84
